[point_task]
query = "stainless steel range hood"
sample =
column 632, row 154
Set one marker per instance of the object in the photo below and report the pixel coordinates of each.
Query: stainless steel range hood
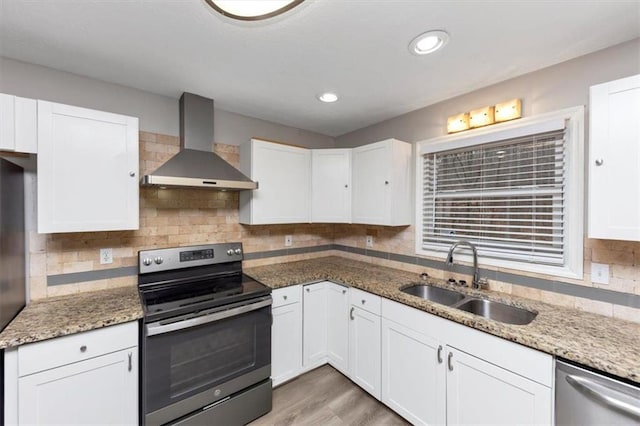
column 196, row 166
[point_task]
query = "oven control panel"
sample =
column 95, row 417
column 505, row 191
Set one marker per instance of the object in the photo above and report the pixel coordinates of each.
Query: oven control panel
column 185, row 257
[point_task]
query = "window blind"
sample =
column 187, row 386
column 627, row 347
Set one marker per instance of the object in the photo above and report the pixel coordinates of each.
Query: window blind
column 506, row 197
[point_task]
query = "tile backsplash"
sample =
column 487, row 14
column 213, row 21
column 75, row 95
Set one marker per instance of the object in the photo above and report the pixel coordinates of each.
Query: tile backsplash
column 174, row 217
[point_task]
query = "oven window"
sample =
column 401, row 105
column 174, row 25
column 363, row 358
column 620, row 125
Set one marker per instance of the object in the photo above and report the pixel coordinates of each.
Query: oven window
column 185, row 362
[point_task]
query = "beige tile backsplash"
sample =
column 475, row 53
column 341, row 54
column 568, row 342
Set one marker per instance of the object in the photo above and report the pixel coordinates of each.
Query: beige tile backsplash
column 173, row 217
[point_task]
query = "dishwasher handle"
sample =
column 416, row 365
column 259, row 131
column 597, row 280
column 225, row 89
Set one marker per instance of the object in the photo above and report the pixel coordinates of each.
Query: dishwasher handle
column 597, row 392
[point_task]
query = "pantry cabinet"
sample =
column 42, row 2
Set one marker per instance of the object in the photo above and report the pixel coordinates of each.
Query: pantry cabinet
column 286, row 334
column 382, row 183
column 18, row 124
column 87, row 170
column 614, row 160
column 283, row 173
column 364, row 341
column 331, row 185
column 83, row 377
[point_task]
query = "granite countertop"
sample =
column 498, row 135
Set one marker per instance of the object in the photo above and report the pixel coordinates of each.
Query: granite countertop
column 606, row 344
column 60, row 316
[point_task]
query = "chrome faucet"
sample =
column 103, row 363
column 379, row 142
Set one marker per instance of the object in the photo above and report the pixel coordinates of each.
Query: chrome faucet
column 475, row 284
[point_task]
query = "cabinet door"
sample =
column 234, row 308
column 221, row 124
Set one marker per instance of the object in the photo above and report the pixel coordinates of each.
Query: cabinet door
column 331, row 185
column 87, row 170
column 283, row 174
column 413, row 374
column 364, row 350
column 314, row 325
column 99, row 390
column 338, row 327
column 371, row 180
column 18, row 124
column 614, row 164
column 286, row 342
column 482, row 393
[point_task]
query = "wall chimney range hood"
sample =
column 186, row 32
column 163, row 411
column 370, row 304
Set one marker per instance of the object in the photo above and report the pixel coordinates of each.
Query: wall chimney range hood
column 196, row 166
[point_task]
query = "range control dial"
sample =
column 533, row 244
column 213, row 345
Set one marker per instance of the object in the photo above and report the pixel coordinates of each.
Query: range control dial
column 230, row 252
column 238, row 251
column 158, row 260
column 147, row 261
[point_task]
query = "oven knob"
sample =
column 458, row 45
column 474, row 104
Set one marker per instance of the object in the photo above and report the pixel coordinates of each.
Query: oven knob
column 230, row 252
column 158, row 260
column 147, row 261
column 238, row 251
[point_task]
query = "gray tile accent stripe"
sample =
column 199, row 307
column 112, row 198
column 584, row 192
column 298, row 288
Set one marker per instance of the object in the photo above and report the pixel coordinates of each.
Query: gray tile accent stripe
column 599, row 294
column 102, row 274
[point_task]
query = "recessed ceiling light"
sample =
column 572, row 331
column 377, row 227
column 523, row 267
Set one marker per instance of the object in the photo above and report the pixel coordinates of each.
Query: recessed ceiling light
column 252, row 10
column 328, row 97
column 428, row 42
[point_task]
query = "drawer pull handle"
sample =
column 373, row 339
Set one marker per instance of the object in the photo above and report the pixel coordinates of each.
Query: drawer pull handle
column 449, row 361
column 130, row 362
column 440, row 354
column 351, row 314
column 83, row 348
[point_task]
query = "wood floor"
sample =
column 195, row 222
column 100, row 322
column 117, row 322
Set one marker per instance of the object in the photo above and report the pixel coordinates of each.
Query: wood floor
column 325, row 397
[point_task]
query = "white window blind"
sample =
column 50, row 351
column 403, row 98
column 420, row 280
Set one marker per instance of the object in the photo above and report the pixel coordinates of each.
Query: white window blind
column 507, row 197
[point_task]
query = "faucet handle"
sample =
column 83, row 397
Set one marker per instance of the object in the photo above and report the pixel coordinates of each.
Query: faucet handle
column 424, row 276
column 483, row 283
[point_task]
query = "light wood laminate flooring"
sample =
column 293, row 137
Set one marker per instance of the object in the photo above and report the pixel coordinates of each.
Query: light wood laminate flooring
column 326, row 397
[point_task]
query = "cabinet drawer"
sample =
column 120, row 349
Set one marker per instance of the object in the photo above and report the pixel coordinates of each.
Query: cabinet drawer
column 367, row 301
column 286, row 296
column 40, row 356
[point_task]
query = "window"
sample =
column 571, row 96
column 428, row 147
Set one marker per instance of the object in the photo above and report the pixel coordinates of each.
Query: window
column 514, row 190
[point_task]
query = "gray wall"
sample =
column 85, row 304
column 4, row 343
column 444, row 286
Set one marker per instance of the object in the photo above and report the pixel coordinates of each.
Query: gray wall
column 157, row 114
column 560, row 86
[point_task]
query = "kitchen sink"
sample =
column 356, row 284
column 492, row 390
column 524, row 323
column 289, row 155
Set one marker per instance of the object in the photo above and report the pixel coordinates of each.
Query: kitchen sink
column 497, row 311
column 434, row 294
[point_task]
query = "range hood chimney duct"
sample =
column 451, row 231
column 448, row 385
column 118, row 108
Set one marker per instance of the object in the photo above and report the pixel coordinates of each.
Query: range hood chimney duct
column 196, row 166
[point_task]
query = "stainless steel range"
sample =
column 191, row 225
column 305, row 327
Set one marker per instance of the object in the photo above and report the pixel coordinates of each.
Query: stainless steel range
column 207, row 337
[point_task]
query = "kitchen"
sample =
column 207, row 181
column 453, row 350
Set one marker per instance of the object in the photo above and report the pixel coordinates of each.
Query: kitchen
column 92, row 267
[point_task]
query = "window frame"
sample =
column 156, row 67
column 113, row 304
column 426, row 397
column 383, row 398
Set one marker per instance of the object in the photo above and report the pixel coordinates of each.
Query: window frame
column 574, row 190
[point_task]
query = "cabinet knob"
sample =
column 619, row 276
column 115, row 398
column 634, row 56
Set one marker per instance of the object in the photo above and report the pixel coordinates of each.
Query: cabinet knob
column 386, row 182
column 346, row 186
column 284, row 297
column 83, row 348
column 599, row 162
column 307, row 290
column 132, row 174
column 344, row 291
column 364, row 301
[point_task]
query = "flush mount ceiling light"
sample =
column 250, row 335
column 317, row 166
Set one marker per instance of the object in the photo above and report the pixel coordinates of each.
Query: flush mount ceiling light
column 252, row 10
column 327, row 97
column 428, row 42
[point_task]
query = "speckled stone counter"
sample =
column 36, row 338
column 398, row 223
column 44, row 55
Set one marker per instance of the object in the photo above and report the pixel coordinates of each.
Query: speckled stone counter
column 60, row 316
column 606, row 344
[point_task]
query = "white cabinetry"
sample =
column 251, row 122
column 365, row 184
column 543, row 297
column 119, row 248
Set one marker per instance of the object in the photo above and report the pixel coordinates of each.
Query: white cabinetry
column 314, row 324
column 87, row 170
column 85, row 378
column 364, row 341
column 338, row 327
column 286, row 334
column 18, row 124
column 331, row 185
column 382, row 183
column 283, row 173
column 614, row 160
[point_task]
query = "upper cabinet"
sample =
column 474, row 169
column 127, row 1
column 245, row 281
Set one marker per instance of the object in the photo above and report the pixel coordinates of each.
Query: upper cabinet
column 382, row 183
column 614, row 160
column 18, row 124
column 87, row 170
column 283, row 173
column 331, row 185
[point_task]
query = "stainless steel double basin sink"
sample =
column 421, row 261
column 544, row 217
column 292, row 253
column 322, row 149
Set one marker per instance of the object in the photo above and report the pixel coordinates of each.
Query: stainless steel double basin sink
column 485, row 308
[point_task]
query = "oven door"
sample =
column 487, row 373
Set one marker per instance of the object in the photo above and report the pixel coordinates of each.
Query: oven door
column 194, row 361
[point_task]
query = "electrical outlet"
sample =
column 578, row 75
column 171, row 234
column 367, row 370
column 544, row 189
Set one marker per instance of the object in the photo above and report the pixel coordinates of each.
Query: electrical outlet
column 106, row 256
column 288, row 240
column 369, row 241
column 599, row 273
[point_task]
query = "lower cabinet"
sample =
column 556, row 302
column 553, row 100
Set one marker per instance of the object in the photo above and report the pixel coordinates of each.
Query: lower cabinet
column 314, row 323
column 84, row 378
column 337, row 329
column 286, row 334
column 364, row 341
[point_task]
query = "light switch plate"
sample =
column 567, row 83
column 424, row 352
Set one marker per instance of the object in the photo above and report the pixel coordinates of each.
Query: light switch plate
column 288, row 240
column 369, row 241
column 106, row 256
column 599, row 273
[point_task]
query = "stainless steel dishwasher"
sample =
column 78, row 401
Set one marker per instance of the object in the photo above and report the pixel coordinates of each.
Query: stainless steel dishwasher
column 584, row 398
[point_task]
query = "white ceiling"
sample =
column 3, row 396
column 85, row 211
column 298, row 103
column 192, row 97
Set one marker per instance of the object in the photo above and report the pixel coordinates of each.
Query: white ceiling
column 274, row 69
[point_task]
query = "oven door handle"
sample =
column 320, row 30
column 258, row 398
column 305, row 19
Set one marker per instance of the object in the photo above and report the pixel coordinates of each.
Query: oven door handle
column 156, row 328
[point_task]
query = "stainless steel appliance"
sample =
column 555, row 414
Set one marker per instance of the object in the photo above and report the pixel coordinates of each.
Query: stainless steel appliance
column 584, row 398
column 12, row 252
column 207, row 337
